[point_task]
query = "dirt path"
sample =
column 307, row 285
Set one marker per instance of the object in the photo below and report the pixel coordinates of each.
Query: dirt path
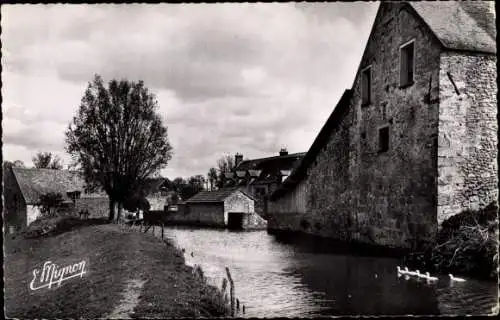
column 129, row 301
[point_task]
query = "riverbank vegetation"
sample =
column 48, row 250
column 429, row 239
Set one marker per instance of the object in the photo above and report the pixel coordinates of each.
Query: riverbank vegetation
column 466, row 244
column 113, row 256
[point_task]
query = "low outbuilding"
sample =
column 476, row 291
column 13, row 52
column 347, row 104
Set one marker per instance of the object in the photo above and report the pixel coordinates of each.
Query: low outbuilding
column 231, row 208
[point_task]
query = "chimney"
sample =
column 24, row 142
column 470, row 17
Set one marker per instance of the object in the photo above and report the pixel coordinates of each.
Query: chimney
column 237, row 159
column 283, row 152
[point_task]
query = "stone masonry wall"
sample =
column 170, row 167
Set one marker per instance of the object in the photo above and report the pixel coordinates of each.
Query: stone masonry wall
column 14, row 209
column 98, row 207
column 468, row 133
column 237, row 202
column 394, row 192
column 206, row 214
column 385, row 198
column 157, row 202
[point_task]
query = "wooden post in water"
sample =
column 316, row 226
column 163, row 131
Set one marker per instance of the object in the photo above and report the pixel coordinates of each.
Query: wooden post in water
column 231, row 291
column 162, row 227
column 153, row 229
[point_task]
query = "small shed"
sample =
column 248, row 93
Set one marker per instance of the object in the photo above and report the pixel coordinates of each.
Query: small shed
column 231, row 208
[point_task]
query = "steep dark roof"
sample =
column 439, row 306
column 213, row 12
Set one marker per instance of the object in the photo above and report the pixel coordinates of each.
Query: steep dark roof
column 35, row 182
column 268, row 169
column 321, row 140
column 215, row 196
column 277, row 162
column 460, row 25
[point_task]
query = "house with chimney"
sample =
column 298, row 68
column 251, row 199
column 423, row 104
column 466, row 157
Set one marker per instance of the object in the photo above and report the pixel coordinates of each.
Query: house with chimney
column 413, row 142
column 261, row 177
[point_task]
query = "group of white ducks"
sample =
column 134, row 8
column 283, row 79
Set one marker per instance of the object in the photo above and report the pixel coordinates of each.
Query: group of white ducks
column 426, row 276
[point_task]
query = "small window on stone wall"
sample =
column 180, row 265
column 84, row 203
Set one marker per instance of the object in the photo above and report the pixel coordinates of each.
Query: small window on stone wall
column 407, row 64
column 383, row 139
column 366, row 86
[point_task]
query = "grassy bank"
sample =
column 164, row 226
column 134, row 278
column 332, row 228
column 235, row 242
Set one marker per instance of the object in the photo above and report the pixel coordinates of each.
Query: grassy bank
column 113, row 258
column 466, row 244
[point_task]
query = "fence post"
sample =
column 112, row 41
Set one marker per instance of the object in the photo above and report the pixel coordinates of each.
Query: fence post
column 153, row 229
column 162, row 226
column 231, row 290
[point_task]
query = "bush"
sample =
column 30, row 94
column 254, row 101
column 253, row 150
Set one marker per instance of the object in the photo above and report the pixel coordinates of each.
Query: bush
column 51, row 226
column 467, row 243
column 50, row 203
column 304, row 224
column 44, row 226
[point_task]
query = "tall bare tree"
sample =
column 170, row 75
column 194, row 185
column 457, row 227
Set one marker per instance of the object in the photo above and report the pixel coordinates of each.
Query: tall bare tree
column 118, row 138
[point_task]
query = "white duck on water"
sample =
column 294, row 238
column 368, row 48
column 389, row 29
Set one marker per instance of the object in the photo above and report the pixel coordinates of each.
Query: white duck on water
column 401, row 271
column 452, row 278
column 415, row 273
column 429, row 277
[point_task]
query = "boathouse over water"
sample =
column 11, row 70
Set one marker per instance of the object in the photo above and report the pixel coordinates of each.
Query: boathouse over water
column 228, row 208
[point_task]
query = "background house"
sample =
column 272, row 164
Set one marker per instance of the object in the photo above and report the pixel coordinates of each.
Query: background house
column 24, row 186
column 261, row 177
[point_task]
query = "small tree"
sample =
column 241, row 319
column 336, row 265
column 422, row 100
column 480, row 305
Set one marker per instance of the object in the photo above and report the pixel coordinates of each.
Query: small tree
column 50, row 202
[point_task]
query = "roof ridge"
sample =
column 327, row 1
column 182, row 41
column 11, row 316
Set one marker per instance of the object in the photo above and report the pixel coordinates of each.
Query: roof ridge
column 273, row 157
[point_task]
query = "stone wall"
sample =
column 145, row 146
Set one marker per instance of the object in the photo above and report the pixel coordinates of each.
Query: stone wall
column 98, row 207
column 14, row 207
column 357, row 193
column 468, row 133
column 32, row 213
column 237, row 202
column 157, row 202
column 206, row 214
column 252, row 221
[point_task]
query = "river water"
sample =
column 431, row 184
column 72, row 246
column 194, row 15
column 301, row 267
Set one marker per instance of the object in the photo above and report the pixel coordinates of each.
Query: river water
column 276, row 279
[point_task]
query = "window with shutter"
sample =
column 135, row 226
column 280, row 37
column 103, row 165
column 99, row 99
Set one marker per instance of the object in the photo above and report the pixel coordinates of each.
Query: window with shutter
column 407, row 66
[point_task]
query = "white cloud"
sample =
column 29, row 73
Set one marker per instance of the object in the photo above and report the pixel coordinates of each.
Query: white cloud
column 228, row 77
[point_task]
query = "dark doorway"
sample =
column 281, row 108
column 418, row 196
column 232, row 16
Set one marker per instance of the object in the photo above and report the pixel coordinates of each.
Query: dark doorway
column 235, row 220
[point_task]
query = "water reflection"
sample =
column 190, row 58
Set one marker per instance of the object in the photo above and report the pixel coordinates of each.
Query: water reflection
column 276, row 279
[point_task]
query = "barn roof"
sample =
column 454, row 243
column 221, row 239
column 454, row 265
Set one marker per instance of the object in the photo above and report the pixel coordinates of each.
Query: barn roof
column 273, row 164
column 215, row 196
column 460, row 25
column 35, row 182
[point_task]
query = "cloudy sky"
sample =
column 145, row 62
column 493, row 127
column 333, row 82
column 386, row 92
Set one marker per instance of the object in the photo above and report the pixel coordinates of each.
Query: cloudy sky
column 246, row 78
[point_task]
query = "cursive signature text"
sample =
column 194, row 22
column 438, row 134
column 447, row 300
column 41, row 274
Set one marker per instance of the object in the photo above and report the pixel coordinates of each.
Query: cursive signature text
column 51, row 274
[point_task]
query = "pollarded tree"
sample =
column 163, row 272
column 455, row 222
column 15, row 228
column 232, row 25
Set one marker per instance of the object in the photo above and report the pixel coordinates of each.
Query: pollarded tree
column 118, row 138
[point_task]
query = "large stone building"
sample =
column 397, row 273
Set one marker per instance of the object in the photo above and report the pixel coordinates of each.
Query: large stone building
column 415, row 139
